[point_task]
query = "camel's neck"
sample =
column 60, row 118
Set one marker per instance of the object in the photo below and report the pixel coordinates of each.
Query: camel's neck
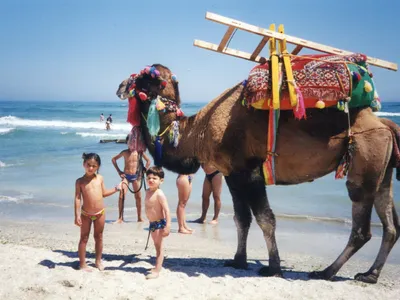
column 201, row 135
column 183, row 158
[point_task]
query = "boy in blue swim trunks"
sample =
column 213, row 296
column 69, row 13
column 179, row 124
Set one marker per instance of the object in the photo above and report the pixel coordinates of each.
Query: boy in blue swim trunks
column 130, row 175
column 157, row 211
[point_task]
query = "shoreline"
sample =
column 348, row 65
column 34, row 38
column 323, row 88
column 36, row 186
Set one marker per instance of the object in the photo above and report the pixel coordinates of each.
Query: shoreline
column 40, row 261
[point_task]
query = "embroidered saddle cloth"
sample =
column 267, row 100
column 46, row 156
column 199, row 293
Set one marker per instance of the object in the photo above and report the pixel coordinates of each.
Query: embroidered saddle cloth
column 328, row 78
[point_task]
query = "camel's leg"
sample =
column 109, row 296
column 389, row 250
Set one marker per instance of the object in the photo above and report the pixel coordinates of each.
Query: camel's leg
column 368, row 182
column 384, row 206
column 360, row 232
column 242, row 218
column 265, row 218
column 248, row 190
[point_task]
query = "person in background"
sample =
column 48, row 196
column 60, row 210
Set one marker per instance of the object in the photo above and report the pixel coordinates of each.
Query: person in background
column 101, row 117
column 131, row 174
column 184, row 185
column 212, row 184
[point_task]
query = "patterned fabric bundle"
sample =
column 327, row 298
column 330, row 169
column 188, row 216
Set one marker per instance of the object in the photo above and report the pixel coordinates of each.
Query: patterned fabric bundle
column 174, row 134
column 135, row 140
column 328, row 78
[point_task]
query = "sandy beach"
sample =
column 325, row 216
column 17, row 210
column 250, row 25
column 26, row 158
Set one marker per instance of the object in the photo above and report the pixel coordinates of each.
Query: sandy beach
column 39, row 261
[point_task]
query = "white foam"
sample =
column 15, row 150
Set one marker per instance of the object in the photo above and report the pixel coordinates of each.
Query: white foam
column 18, row 122
column 2, row 165
column 387, row 114
column 16, row 199
column 102, row 135
column 5, row 130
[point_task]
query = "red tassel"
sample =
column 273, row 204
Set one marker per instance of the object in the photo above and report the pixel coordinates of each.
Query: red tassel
column 299, row 111
column 179, row 112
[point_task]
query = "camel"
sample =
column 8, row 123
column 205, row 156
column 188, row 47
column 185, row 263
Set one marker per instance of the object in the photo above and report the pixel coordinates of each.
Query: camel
column 233, row 138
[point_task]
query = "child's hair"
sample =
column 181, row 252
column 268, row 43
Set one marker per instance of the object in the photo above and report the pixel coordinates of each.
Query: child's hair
column 157, row 171
column 95, row 156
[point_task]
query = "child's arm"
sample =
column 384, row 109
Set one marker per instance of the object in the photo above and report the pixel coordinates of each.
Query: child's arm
column 147, row 159
column 77, row 205
column 114, row 162
column 164, row 205
column 109, row 192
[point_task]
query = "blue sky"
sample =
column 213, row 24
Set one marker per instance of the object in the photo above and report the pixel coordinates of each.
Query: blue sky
column 60, row 50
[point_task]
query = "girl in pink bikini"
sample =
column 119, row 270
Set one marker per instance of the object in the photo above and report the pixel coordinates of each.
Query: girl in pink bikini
column 90, row 189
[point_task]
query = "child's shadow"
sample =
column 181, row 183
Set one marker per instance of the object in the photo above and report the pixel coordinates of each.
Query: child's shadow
column 192, row 267
column 126, row 259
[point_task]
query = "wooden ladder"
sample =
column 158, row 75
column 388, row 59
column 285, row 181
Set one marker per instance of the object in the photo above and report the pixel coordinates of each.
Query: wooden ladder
column 266, row 35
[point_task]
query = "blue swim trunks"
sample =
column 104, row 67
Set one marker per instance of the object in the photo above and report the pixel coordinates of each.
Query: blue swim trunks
column 131, row 177
column 159, row 224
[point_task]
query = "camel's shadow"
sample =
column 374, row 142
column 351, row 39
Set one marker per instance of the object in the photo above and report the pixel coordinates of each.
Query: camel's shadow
column 192, row 267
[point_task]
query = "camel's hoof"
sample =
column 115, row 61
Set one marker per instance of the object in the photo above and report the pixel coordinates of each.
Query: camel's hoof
column 270, row 272
column 236, row 264
column 319, row 275
column 366, row 277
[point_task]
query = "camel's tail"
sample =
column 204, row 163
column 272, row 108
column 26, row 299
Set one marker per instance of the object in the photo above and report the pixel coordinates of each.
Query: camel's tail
column 396, row 142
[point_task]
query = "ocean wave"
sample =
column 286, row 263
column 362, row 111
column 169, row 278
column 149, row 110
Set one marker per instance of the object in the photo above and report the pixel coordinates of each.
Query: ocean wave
column 2, row 165
column 16, row 199
column 5, row 130
column 101, row 135
column 387, row 114
column 19, row 122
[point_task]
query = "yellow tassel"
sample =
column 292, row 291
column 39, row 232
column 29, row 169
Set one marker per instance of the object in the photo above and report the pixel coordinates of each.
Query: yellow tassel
column 160, row 105
column 367, row 87
column 320, row 104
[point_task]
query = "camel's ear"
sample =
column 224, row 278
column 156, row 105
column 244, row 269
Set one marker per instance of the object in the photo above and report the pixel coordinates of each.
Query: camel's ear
column 176, row 89
column 122, row 89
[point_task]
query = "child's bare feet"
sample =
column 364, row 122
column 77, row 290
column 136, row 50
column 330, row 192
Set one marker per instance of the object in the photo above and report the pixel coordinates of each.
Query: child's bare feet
column 189, row 229
column 185, row 231
column 119, row 221
column 85, row 268
column 213, row 222
column 152, row 275
column 199, row 220
column 99, row 266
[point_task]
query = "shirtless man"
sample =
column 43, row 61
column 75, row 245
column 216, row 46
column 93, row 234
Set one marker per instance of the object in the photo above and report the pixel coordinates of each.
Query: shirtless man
column 130, row 175
column 212, row 184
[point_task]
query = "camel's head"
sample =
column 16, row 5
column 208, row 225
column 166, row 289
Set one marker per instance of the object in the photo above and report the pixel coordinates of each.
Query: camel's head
column 149, row 83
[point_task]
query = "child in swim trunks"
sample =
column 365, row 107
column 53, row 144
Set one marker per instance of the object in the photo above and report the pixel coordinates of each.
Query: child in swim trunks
column 90, row 188
column 157, row 211
column 131, row 175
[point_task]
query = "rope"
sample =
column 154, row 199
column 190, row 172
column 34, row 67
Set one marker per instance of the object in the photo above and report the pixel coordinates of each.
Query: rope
column 233, row 34
column 141, row 170
column 361, row 132
column 324, row 60
column 147, row 243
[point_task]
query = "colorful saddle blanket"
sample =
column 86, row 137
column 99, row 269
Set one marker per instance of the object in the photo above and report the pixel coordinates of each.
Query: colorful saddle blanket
column 328, row 78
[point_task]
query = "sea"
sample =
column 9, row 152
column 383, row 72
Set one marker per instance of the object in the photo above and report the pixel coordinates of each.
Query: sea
column 41, row 144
